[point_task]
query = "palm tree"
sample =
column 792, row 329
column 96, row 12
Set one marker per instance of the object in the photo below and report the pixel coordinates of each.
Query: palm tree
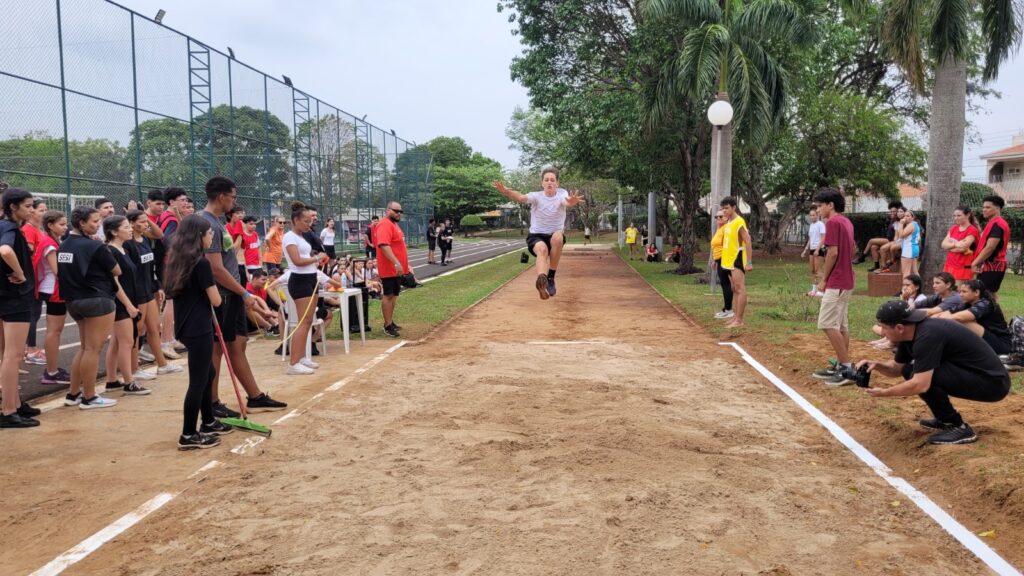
column 948, row 34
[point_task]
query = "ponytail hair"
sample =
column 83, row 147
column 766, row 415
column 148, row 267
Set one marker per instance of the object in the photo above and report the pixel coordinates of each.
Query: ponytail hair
column 970, row 215
column 976, row 285
column 13, row 196
column 110, row 226
column 49, row 218
column 298, row 210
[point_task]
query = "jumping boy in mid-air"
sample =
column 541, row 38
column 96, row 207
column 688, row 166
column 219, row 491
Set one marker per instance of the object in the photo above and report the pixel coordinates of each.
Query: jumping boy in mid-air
column 547, row 221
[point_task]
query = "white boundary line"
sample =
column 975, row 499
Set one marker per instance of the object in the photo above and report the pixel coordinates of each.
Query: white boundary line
column 955, row 529
column 468, row 266
column 92, row 543
column 558, row 342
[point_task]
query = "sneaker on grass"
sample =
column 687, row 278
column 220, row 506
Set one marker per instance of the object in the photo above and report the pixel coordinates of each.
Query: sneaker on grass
column 391, row 330
column 724, row 314
column 264, row 403
column 133, row 389
column 218, row 428
column 198, row 441
column 222, row 411
column 962, row 434
column 96, row 402
column 168, row 369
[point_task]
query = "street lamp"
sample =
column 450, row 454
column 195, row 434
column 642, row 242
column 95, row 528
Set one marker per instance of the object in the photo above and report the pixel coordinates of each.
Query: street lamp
column 719, row 115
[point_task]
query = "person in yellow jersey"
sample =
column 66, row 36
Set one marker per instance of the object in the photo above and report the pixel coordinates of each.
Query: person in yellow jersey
column 723, row 275
column 736, row 257
column 631, row 234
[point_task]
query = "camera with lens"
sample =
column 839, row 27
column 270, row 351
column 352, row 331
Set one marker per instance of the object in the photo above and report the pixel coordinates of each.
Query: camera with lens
column 861, row 377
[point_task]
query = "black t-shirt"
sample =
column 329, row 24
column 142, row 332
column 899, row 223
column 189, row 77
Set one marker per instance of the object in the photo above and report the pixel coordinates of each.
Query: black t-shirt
column 996, row 232
column 128, row 278
column 144, row 259
column 12, row 236
column 947, row 342
column 314, row 241
column 84, row 269
column 369, row 235
column 890, row 232
column 431, row 232
column 447, row 234
column 991, row 318
column 192, row 315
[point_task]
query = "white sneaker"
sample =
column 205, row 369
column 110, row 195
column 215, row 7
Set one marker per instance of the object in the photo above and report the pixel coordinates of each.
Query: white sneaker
column 177, row 345
column 169, row 352
column 168, row 369
column 309, row 363
column 724, row 314
column 97, row 402
column 144, row 375
column 146, row 356
column 297, row 369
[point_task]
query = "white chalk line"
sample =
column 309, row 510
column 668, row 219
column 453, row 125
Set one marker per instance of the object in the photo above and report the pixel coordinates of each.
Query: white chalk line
column 566, row 342
column 205, row 468
column 955, row 529
column 468, row 266
column 92, row 543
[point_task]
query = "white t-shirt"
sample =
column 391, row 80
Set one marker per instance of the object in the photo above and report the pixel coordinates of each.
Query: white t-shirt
column 305, row 251
column 547, row 213
column 327, row 237
column 817, row 234
column 49, row 278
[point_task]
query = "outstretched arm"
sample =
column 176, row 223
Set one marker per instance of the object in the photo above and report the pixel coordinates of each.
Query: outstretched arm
column 573, row 199
column 509, row 193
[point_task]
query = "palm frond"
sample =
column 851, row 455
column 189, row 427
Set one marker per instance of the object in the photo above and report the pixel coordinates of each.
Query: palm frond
column 949, row 29
column 694, row 12
column 698, row 62
column 748, row 96
column 1001, row 30
column 782, row 19
column 901, row 38
column 773, row 77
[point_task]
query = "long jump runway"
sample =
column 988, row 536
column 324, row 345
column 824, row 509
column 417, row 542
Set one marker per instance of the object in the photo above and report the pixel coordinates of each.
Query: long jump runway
column 595, row 433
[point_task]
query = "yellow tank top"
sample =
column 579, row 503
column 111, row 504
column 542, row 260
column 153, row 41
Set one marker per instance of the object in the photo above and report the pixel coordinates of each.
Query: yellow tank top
column 731, row 243
column 630, row 235
column 716, row 243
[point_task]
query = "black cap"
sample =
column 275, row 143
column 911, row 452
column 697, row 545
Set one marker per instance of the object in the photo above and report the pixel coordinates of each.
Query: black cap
column 898, row 312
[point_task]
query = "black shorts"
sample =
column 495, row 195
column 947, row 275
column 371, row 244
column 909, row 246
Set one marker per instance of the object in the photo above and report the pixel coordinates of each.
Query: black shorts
column 329, row 250
column 992, row 280
column 301, row 285
column 431, row 243
column 90, row 308
column 391, row 286
column 998, row 346
column 532, row 239
column 53, row 308
column 822, row 252
column 17, row 316
column 231, row 316
column 371, row 252
column 120, row 312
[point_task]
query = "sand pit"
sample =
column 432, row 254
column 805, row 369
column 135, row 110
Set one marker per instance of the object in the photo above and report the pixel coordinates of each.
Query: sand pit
column 595, row 433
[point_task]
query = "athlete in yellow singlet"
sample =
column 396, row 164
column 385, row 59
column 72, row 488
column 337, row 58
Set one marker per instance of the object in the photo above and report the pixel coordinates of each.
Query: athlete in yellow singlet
column 631, row 234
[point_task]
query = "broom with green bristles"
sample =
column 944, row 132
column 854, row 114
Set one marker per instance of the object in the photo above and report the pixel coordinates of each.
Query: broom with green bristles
column 244, row 421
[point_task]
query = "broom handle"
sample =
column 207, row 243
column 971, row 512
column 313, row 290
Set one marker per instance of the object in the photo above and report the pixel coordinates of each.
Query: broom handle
column 227, row 358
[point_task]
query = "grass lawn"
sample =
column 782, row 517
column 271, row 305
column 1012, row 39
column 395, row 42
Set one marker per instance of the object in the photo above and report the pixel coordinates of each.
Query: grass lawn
column 571, row 236
column 420, row 310
column 778, row 305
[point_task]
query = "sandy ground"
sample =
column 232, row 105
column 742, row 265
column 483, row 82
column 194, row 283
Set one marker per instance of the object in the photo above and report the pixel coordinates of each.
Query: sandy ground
column 595, row 433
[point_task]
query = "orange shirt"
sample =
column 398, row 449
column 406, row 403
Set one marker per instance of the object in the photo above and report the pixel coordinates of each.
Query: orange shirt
column 272, row 250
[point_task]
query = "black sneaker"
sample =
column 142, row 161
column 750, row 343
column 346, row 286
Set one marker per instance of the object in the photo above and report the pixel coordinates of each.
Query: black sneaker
column 197, row 441
column 115, row 385
column 827, row 373
column 27, row 411
column 218, row 428
column 264, row 403
column 391, row 330
column 222, row 411
column 133, row 389
column 962, row 434
column 933, row 424
column 17, row 421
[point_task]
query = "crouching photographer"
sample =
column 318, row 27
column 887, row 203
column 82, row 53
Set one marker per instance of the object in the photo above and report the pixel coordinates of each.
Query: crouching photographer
column 938, row 359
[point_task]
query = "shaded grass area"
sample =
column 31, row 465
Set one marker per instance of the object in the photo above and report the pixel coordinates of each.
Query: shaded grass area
column 421, row 309
column 778, row 305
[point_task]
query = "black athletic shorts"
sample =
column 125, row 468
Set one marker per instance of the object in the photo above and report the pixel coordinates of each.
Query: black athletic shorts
column 431, row 243
column 53, row 308
column 371, row 252
column 391, row 286
column 998, row 346
column 231, row 316
column 329, row 250
column 992, row 280
column 18, row 316
column 532, row 239
column 90, row 307
column 301, row 285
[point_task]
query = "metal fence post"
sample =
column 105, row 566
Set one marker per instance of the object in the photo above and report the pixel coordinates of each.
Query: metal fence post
column 64, row 106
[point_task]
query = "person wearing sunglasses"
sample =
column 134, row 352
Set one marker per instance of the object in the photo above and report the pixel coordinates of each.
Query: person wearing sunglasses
column 273, row 249
column 724, row 276
column 393, row 264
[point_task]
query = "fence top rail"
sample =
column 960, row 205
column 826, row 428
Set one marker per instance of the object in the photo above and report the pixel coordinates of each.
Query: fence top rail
column 256, row 70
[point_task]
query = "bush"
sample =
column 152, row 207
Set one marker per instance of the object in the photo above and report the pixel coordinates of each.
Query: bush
column 471, row 222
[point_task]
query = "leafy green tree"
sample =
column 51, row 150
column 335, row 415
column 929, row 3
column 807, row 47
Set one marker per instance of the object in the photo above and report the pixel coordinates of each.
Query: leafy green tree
column 462, row 190
column 947, row 36
column 450, row 151
column 470, row 223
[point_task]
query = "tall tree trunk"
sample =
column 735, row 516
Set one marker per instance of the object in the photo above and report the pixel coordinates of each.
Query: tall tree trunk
column 945, row 158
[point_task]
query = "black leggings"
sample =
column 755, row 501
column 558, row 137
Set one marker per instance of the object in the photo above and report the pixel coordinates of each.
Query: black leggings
column 199, row 396
column 725, row 279
column 37, row 312
column 952, row 380
column 445, row 249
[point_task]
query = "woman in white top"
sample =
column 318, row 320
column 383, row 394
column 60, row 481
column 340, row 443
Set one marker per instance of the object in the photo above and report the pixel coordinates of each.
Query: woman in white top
column 327, row 238
column 302, row 284
column 911, row 294
column 816, row 249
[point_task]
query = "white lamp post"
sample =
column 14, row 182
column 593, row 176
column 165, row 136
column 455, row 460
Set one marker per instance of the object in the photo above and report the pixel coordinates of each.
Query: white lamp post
column 719, row 114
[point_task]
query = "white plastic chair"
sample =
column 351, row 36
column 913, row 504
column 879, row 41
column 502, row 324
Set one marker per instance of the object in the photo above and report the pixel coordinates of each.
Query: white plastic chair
column 344, row 296
column 291, row 319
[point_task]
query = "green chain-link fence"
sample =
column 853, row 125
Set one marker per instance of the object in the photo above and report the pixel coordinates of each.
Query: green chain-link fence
column 99, row 101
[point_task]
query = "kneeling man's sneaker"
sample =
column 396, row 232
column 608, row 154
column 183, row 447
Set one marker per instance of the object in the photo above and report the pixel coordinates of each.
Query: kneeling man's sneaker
column 837, row 379
column 826, row 373
column 962, row 434
column 933, row 424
